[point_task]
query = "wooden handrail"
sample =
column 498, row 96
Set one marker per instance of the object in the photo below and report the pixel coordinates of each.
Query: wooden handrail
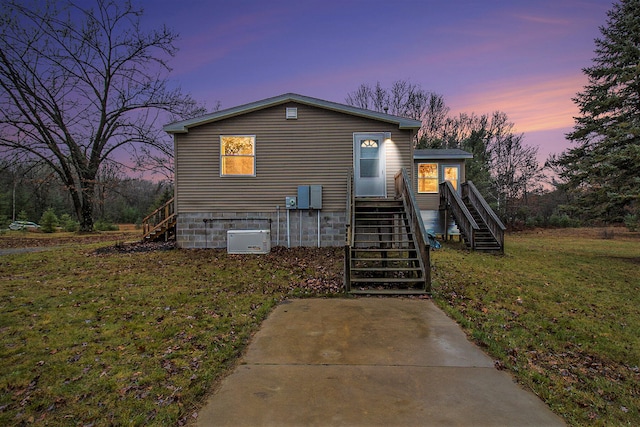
column 168, row 203
column 350, row 212
column 490, row 218
column 157, row 217
column 404, row 190
column 163, row 224
column 349, row 230
column 450, row 199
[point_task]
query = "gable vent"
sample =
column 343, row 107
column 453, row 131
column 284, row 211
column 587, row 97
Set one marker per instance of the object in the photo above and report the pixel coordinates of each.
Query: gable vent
column 292, row 113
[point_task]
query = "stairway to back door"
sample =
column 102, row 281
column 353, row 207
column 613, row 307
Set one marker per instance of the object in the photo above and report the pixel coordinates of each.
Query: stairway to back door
column 383, row 258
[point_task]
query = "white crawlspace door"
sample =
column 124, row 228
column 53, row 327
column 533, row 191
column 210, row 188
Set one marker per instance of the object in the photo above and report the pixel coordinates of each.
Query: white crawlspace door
column 369, row 165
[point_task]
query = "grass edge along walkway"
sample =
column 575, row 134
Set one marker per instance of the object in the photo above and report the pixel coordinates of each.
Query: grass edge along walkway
column 561, row 311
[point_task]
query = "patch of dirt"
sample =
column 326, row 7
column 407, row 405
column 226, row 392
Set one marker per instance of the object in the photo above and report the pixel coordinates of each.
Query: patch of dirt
column 19, row 241
column 135, row 247
column 315, row 270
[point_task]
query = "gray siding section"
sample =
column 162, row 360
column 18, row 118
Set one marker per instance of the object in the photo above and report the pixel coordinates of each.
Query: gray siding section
column 315, row 149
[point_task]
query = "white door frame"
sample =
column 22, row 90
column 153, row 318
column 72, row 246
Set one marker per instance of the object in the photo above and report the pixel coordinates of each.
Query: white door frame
column 455, row 166
column 369, row 164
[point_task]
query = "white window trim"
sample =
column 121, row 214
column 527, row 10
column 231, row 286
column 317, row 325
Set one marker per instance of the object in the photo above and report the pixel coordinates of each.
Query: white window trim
column 453, row 165
column 222, row 174
column 437, row 177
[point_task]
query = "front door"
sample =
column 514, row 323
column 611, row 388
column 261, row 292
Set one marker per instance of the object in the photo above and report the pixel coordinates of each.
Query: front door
column 369, row 165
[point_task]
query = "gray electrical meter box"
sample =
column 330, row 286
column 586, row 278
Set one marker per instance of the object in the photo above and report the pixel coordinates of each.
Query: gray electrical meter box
column 315, row 196
column 303, row 197
column 290, row 202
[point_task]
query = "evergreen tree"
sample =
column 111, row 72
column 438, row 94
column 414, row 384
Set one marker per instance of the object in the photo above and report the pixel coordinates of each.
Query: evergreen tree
column 603, row 170
column 49, row 221
column 477, row 169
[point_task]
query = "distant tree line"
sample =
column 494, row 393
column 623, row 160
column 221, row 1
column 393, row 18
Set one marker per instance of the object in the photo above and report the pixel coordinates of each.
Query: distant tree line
column 33, row 192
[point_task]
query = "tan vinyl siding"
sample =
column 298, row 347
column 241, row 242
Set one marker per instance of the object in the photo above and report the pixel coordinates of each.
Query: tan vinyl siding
column 317, row 148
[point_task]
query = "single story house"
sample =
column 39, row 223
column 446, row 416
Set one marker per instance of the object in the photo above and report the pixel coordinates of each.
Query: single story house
column 282, row 164
column 299, row 171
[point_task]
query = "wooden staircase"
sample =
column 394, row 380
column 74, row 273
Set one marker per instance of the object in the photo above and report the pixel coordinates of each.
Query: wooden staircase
column 383, row 257
column 384, row 253
column 479, row 226
column 160, row 224
column 484, row 239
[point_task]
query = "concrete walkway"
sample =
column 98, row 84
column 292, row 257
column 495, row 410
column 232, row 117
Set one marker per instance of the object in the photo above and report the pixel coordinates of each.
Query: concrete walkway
column 368, row 362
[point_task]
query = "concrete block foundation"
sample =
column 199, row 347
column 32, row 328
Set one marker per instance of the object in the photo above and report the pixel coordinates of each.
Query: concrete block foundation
column 309, row 228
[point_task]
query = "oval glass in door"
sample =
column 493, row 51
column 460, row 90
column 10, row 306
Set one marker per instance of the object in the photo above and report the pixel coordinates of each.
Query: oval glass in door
column 369, row 165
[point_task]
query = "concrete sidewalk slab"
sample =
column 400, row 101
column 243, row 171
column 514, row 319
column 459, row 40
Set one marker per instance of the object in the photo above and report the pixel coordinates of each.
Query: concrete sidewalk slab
column 368, row 362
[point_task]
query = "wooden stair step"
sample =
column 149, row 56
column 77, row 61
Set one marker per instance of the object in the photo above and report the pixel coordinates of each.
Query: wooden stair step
column 376, row 215
column 389, row 291
column 386, row 280
column 379, row 209
column 363, row 228
column 384, row 259
column 379, row 220
column 354, row 249
column 377, row 203
column 395, row 248
column 385, row 269
column 487, row 244
column 377, row 237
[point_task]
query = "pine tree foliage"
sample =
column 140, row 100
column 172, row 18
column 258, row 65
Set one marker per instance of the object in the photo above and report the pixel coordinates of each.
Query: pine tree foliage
column 603, row 170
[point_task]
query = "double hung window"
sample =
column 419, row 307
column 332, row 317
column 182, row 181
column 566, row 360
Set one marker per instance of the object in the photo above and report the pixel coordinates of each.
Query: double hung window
column 427, row 177
column 237, row 155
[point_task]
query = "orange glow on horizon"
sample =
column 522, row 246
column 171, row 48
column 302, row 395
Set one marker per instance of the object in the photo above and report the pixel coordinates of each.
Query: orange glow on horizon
column 532, row 105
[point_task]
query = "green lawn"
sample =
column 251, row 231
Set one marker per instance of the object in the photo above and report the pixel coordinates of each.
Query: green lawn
column 141, row 338
column 561, row 311
column 135, row 339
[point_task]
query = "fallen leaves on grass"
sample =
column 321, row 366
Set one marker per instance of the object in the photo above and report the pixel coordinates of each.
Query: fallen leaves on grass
column 18, row 241
column 558, row 312
column 135, row 334
column 136, row 247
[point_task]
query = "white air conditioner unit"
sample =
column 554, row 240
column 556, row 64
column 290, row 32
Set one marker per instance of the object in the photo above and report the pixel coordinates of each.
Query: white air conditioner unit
column 248, row 241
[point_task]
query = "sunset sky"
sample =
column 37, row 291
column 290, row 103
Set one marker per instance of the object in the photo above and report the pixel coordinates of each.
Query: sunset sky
column 522, row 57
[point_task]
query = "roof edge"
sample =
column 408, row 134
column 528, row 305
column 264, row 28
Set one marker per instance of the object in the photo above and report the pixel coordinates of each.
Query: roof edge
column 441, row 154
column 184, row 125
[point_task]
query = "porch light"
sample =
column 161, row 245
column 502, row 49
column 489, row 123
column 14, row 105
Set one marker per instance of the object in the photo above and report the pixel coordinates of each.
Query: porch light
column 387, row 136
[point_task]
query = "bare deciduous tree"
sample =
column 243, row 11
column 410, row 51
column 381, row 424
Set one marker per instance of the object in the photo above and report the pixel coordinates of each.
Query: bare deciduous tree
column 361, row 97
column 79, row 84
column 402, row 99
column 516, row 172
